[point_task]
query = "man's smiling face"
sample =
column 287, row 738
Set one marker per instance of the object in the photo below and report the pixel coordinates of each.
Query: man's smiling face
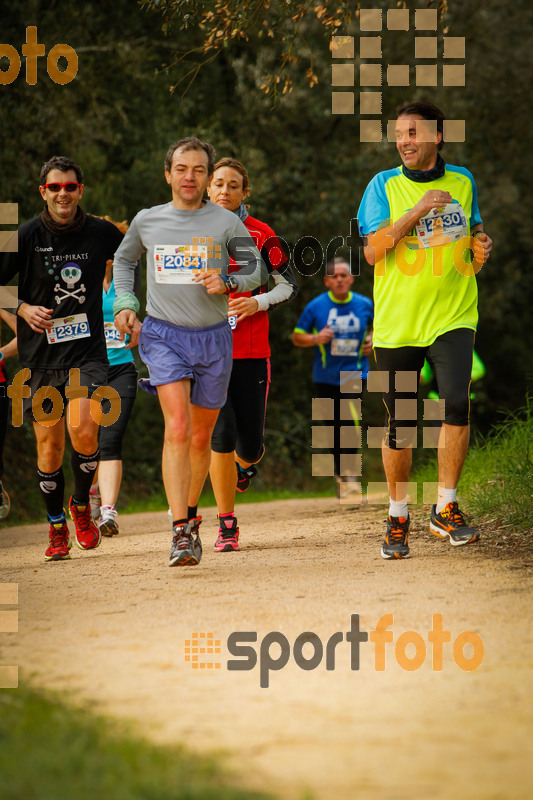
column 416, row 142
column 62, row 205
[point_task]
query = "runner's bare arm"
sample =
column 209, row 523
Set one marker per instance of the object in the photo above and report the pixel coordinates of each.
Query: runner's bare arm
column 10, row 349
column 309, row 339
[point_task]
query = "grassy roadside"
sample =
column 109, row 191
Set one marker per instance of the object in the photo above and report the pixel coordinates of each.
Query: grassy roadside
column 50, row 750
column 497, row 481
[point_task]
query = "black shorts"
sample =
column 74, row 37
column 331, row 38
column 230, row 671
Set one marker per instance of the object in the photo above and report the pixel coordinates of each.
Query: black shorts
column 93, row 374
column 450, row 357
column 122, row 378
column 241, row 423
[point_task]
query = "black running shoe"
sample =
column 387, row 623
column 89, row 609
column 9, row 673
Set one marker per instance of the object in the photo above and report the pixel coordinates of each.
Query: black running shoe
column 186, row 548
column 397, row 536
column 244, row 477
column 450, row 523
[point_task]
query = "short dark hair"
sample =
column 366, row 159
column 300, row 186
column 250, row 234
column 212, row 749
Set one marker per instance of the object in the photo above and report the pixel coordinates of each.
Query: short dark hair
column 63, row 164
column 426, row 111
column 192, row 143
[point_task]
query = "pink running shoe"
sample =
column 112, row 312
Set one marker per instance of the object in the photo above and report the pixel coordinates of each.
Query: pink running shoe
column 228, row 536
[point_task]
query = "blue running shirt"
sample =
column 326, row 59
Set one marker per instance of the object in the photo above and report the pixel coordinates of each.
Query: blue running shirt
column 349, row 319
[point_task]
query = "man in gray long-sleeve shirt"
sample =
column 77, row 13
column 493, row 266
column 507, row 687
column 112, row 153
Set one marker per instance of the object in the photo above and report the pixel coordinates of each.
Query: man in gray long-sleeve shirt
column 186, row 340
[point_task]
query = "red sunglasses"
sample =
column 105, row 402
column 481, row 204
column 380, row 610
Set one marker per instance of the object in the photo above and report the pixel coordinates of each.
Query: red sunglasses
column 56, row 187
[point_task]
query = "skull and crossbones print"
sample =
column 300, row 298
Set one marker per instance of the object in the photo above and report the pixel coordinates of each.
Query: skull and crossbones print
column 71, row 274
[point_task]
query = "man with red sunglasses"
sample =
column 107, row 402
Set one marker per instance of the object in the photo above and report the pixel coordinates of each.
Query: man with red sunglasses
column 61, row 261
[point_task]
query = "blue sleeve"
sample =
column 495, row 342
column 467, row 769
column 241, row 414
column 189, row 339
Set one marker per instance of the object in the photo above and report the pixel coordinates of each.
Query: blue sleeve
column 475, row 218
column 374, row 209
column 307, row 320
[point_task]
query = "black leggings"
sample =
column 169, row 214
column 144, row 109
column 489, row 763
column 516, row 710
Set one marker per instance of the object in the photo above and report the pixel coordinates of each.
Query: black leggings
column 241, row 423
column 123, row 378
column 450, row 357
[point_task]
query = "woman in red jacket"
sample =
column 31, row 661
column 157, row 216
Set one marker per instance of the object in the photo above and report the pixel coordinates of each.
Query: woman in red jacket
column 239, row 432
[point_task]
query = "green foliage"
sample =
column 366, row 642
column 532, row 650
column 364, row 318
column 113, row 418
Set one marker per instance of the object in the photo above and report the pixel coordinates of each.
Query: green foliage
column 497, row 479
column 49, row 750
column 279, row 24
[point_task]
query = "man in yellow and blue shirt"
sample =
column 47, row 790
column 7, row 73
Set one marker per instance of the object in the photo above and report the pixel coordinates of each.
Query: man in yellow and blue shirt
column 423, row 233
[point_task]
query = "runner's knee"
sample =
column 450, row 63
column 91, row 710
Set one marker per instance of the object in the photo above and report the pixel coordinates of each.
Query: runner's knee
column 201, row 438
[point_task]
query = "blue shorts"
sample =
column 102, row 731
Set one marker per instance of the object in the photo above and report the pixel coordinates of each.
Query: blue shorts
column 202, row 355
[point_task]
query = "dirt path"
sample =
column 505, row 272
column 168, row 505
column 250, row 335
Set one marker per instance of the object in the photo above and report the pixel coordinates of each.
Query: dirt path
column 111, row 625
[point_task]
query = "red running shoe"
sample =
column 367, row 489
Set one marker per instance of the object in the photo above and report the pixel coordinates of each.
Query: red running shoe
column 60, row 544
column 87, row 534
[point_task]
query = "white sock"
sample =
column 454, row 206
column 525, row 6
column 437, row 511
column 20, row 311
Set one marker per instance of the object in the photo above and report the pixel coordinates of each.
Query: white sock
column 398, row 508
column 444, row 497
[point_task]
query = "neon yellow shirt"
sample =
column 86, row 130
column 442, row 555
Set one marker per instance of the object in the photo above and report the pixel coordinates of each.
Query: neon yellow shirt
column 426, row 285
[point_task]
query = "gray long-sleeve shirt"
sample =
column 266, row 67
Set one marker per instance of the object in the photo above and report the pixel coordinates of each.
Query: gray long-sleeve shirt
column 173, row 240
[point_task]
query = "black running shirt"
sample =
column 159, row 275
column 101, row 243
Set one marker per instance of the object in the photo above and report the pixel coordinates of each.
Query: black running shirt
column 63, row 272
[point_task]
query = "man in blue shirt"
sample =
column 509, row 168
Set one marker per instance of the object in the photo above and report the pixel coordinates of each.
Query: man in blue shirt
column 338, row 323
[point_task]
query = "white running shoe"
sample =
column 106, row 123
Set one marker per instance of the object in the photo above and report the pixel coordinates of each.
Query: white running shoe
column 107, row 523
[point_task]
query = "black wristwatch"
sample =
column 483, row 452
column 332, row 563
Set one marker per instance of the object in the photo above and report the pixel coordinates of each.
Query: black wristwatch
column 230, row 283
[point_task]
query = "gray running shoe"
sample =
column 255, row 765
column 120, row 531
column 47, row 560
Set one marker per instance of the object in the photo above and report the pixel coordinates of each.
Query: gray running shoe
column 397, row 536
column 186, row 548
column 450, row 523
